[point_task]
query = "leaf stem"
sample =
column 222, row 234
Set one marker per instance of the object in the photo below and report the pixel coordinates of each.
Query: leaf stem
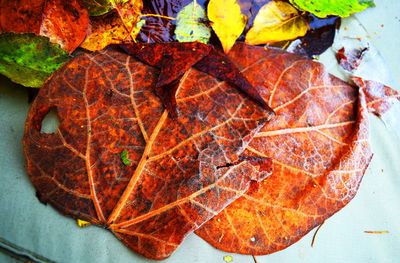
column 315, row 234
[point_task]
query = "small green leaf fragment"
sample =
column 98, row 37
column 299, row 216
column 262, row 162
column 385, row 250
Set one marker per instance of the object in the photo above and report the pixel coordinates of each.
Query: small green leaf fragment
column 125, row 158
column 228, row 259
column 324, row 8
column 28, row 59
column 189, row 27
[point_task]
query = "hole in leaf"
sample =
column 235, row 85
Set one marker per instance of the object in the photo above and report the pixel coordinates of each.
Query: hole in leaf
column 51, row 122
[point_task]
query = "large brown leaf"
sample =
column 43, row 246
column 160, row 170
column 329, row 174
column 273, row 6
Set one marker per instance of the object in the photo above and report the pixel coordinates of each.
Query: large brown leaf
column 64, row 22
column 319, row 145
column 182, row 172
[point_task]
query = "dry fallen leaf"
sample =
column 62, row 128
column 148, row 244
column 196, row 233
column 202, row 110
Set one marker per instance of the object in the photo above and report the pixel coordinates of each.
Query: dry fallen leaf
column 181, row 172
column 319, row 145
column 227, row 21
column 276, row 21
column 380, row 98
column 64, row 22
column 114, row 28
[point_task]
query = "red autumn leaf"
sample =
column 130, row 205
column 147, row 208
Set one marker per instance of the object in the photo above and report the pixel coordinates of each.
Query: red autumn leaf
column 64, row 22
column 175, row 174
column 318, row 141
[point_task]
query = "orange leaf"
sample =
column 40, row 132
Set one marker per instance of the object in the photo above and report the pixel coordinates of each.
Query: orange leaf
column 319, row 145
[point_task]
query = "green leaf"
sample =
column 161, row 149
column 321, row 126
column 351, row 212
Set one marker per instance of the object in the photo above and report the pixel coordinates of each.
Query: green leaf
column 28, row 59
column 100, row 7
column 189, row 28
column 323, row 8
column 125, row 159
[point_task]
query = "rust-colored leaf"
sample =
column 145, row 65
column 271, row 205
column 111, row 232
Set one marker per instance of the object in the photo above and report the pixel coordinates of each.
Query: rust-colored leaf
column 319, row 145
column 181, row 172
column 114, row 28
column 64, row 22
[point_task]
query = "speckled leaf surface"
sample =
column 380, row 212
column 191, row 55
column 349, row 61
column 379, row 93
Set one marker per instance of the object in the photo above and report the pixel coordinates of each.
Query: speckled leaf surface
column 319, row 145
column 181, row 172
column 63, row 22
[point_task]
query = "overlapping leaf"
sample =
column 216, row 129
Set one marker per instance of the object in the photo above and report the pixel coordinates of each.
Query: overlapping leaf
column 181, row 172
column 189, row 27
column 114, row 28
column 319, row 145
column 324, row 8
column 28, row 59
column 63, row 22
column 227, row 20
column 276, row 21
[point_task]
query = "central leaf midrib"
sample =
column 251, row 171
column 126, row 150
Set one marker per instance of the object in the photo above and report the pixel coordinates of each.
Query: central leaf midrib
column 139, row 169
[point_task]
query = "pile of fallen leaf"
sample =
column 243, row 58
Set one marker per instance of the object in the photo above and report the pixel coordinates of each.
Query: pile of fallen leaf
column 250, row 149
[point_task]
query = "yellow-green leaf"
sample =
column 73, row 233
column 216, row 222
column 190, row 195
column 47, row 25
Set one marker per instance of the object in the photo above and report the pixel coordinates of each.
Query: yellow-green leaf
column 189, row 28
column 227, row 21
column 276, row 21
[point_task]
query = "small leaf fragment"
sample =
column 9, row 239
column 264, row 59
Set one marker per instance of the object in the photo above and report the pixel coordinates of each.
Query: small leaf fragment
column 228, row 259
column 28, row 59
column 380, row 98
column 125, row 159
column 324, row 8
column 100, row 7
column 276, row 21
column 227, row 21
column 82, row 223
column 189, row 28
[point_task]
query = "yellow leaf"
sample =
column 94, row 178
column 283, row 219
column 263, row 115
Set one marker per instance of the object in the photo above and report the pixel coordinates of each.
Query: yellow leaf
column 114, row 28
column 82, row 223
column 276, row 21
column 227, row 21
